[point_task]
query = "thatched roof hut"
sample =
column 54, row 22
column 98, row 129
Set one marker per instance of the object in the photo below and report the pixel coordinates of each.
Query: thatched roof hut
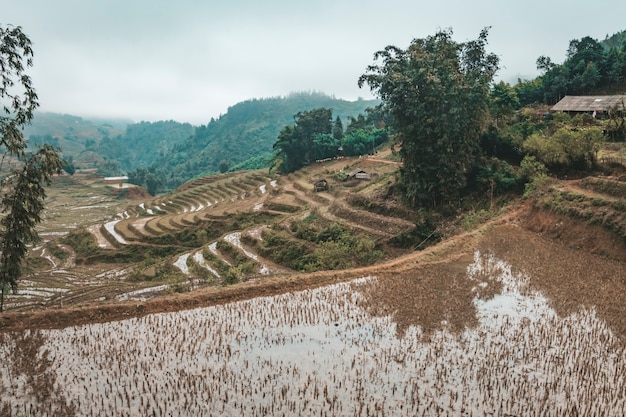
column 590, row 104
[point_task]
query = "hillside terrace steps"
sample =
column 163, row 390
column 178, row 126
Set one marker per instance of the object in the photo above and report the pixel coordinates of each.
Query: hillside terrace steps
column 128, row 231
column 190, row 205
column 383, row 224
column 263, row 266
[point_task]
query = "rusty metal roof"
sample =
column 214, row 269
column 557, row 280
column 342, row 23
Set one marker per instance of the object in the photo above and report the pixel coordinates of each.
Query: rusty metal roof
column 589, row 103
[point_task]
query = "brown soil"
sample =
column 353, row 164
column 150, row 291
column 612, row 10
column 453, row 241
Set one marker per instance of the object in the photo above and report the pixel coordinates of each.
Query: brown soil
column 426, row 288
column 137, row 193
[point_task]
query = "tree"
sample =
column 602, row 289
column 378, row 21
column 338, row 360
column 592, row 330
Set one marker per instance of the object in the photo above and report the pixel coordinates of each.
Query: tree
column 504, row 101
column 437, row 92
column 224, row 166
column 338, row 129
column 295, row 146
column 22, row 190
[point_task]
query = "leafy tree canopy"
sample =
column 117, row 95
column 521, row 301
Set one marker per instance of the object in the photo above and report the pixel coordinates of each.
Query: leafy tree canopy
column 314, row 137
column 437, row 92
column 22, row 193
column 590, row 66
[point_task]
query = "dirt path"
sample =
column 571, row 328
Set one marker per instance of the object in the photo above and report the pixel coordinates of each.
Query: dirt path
column 575, row 187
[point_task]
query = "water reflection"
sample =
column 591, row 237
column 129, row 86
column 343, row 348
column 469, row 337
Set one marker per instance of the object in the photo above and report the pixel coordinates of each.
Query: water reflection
column 321, row 352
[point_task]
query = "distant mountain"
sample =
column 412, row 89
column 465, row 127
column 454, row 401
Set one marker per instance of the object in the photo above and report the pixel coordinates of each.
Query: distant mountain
column 248, row 130
column 143, row 143
column 178, row 152
column 71, row 133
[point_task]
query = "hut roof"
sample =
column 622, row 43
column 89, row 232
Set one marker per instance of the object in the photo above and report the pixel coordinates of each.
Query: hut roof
column 356, row 171
column 589, row 103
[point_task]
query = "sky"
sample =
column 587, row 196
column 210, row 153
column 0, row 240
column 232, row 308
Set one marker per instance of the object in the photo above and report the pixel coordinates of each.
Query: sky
column 189, row 60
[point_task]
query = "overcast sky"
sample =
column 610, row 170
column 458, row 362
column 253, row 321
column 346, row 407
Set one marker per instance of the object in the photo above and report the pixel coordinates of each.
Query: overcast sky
column 189, row 60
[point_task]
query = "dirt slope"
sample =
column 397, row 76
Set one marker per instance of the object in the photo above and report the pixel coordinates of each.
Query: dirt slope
column 421, row 287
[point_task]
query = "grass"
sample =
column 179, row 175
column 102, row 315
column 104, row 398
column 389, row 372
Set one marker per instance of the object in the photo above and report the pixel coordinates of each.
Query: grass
column 608, row 213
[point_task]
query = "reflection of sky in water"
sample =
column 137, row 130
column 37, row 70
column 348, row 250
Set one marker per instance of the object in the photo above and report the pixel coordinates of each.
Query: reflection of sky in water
column 316, row 352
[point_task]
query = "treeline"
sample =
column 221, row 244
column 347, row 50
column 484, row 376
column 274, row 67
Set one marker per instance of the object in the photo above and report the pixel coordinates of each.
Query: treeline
column 240, row 139
column 314, row 136
column 461, row 135
column 590, row 66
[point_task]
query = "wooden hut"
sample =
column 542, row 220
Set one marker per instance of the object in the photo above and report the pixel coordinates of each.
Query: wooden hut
column 320, row 185
column 598, row 106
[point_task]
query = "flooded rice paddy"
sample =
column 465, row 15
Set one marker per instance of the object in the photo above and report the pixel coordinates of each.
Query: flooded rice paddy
column 323, row 352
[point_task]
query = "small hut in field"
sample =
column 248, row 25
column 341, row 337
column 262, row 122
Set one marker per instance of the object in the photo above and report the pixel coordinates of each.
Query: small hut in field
column 320, row 185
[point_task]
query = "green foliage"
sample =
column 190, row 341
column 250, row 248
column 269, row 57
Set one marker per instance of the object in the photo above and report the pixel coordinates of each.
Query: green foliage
column 178, row 152
column 216, row 262
column 83, row 243
column 244, row 263
column 158, row 271
column 534, row 172
column 566, row 148
column 143, row 143
column 364, row 141
column 152, row 179
column 247, row 130
column 605, row 186
column 318, row 245
column 616, row 126
column 57, row 251
column 283, row 250
column 608, row 213
column 424, row 233
column 108, row 168
column 437, row 92
column 495, row 176
column 589, row 66
column 310, row 139
column 256, row 162
column 531, row 168
column 504, row 101
column 299, row 144
column 22, row 192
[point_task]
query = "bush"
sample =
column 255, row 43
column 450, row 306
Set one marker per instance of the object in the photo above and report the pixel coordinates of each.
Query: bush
column 535, row 174
column 566, row 148
column 83, row 243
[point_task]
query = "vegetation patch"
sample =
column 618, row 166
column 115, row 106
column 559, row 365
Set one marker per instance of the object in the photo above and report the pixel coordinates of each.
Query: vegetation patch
column 316, row 244
column 610, row 214
column 83, row 243
column 57, row 251
column 610, row 187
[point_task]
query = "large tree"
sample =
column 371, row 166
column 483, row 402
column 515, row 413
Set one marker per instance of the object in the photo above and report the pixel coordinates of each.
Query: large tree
column 24, row 174
column 437, row 92
column 295, row 146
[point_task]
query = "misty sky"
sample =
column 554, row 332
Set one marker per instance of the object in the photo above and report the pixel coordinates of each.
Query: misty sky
column 189, row 60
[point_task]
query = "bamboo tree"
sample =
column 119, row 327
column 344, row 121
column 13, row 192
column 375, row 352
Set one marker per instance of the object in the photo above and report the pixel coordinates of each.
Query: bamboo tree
column 437, row 92
column 24, row 173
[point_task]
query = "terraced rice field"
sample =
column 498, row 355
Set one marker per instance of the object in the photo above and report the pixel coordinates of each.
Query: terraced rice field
column 330, row 351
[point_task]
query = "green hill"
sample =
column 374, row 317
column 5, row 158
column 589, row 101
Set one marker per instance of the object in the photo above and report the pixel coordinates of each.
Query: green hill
column 248, row 130
column 72, row 134
column 177, row 151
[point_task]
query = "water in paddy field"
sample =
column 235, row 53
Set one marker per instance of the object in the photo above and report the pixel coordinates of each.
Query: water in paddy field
column 321, row 353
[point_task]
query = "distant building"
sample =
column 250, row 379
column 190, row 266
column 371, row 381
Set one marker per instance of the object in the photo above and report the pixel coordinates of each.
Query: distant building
column 115, row 180
column 320, row 185
column 598, row 106
column 358, row 174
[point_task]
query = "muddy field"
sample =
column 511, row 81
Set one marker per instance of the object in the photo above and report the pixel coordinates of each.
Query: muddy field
column 498, row 322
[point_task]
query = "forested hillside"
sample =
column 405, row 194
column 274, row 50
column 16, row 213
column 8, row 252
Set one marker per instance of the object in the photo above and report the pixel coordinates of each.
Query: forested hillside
column 590, row 67
column 247, row 130
column 173, row 152
column 142, row 144
column 72, row 134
